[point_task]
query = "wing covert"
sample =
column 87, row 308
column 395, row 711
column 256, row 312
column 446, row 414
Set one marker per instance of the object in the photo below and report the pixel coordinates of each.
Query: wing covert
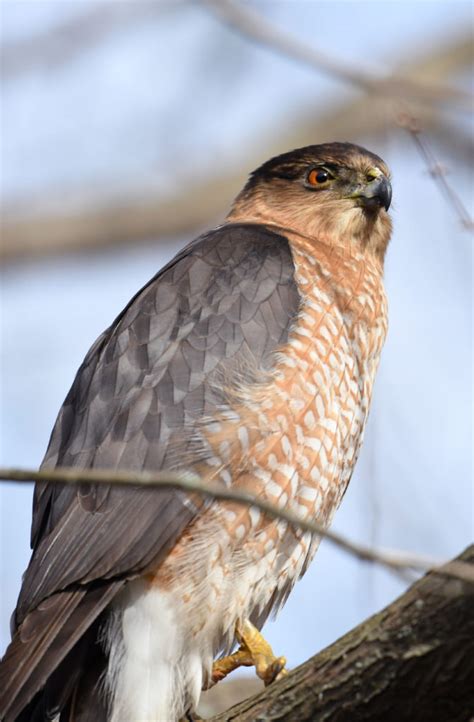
column 146, row 379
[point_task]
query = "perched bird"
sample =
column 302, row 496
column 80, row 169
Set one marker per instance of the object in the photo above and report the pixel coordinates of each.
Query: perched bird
column 249, row 360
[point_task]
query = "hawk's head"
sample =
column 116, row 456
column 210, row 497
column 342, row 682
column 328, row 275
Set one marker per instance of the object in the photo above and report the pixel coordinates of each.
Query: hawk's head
column 338, row 193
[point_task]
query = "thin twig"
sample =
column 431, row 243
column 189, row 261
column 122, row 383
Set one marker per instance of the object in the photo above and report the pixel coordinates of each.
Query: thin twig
column 191, row 483
column 436, row 169
column 72, row 35
column 254, row 26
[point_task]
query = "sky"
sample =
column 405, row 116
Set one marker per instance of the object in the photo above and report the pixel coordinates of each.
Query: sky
column 177, row 92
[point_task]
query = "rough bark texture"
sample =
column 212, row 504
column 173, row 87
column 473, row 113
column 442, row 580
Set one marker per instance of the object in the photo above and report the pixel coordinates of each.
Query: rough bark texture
column 413, row 661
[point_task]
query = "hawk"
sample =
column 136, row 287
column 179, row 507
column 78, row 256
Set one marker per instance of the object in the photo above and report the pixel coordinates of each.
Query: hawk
column 248, row 360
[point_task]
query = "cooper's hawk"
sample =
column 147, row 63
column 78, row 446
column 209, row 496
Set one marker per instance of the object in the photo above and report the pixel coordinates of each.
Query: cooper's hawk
column 249, row 360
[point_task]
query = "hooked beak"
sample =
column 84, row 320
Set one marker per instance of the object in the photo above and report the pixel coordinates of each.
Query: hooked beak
column 376, row 193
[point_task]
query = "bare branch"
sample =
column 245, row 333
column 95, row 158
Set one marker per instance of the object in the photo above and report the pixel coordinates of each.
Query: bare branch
column 254, row 26
column 191, row 483
column 414, row 661
column 436, row 169
column 35, row 228
column 96, row 223
column 71, row 36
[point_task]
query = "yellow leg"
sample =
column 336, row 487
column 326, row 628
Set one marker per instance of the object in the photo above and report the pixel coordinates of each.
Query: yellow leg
column 222, row 667
column 254, row 651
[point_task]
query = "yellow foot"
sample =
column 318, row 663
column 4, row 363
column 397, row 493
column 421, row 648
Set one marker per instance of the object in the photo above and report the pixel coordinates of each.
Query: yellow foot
column 268, row 667
column 254, row 651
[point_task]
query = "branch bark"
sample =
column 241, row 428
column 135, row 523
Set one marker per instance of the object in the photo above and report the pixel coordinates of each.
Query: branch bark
column 413, row 661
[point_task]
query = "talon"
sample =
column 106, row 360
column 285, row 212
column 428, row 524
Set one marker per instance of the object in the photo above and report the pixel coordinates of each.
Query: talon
column 268, row 667
column 273, row 672
column 254, row 650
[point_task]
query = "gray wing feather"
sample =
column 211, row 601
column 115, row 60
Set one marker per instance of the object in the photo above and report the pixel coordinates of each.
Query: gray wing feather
column 146, row 379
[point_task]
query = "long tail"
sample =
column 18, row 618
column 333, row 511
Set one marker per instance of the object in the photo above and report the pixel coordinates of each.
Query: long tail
column 51, row 655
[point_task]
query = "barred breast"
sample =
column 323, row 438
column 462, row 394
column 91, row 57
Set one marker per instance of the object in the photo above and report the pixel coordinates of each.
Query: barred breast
column 292, row 436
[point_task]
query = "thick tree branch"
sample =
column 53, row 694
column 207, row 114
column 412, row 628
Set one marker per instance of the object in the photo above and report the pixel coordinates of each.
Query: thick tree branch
column 191, row 483
column 412, row 662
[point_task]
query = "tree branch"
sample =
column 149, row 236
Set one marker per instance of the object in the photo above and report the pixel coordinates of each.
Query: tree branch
column 254, row 26
column 435, row 169
column 33, row 226
column 71, row 36
column 191, row 483
column 411, row 662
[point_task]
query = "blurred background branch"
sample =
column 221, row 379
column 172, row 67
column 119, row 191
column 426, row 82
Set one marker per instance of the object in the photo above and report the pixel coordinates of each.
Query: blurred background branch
column 397, row 87
column 437, row 170
column 254, row 26
column 72, row 36
column 41, row 225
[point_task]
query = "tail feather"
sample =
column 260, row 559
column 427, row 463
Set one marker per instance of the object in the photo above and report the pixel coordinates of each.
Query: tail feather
column 75, row 688
column 41, row 643
column 87, row 702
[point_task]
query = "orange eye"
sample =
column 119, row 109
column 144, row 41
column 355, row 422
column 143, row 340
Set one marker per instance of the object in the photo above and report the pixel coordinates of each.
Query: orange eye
column 319, row 177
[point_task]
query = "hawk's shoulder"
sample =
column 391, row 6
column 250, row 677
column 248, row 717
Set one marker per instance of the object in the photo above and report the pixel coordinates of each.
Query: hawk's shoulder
column 230, row 292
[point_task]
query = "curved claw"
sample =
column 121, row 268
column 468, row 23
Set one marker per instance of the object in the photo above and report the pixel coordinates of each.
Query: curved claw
column 254, row 650
column 274, row 671
column 268, row 667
